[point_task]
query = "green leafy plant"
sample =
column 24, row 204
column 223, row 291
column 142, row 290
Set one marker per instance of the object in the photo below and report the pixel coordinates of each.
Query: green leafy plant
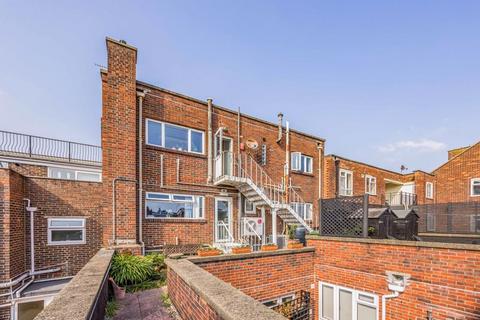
column 208, row 248
column 128, row 269
column 291, row 232
column 314, row 233
column 166, row 300
column 111, row 309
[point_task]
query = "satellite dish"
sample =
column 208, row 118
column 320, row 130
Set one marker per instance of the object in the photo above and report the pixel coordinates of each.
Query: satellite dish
column 252, row 144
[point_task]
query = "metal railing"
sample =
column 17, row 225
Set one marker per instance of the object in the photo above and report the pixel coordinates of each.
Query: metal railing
column 27, row 146
column 298, row 308
column 248, row 235
column 223, row 232
column 401, row 199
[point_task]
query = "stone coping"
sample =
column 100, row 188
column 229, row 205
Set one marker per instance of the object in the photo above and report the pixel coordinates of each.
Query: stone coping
column 251, row 255
column 418, row 244
column 77, row 299
column 229, row 302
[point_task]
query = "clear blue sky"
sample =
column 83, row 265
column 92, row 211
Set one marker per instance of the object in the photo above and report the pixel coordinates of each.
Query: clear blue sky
column 385, row 82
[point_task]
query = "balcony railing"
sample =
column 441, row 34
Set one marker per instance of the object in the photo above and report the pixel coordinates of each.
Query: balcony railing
column 401, row 198
column 33, row 147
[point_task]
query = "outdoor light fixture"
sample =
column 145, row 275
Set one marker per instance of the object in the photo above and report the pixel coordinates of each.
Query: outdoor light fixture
column 397, row 281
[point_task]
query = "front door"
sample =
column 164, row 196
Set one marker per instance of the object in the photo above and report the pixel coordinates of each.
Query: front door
column 223, row 155
column 223, row 220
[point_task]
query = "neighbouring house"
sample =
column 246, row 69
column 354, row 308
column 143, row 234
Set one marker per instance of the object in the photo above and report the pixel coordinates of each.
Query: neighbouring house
column 174, row 172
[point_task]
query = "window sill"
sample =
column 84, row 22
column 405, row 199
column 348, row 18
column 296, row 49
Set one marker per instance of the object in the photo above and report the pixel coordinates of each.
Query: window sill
column 185, row 153
column 303, row 173
column 177, row 220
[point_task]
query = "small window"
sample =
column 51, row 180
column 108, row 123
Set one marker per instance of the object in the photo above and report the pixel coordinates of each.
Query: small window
column 73, row 174
column 164, row 205
column 63, row 231
column 429, row 190
column 304, row 210
column 370, row 185
column 174, row 137
column 346, row 183
column 278, row 301
column 249, row 206
column 301, row 163
column 475, row 187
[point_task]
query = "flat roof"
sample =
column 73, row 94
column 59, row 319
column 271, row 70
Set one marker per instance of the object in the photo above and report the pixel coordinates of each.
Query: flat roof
column 44, row 287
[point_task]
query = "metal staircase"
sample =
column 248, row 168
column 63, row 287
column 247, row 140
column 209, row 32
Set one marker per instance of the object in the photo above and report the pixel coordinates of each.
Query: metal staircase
column 244, row 173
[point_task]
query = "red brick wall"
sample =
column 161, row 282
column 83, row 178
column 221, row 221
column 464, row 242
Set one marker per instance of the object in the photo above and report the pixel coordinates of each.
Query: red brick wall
column 119, row 147
column 187, row 302
column 265, row 277
column 443, row 280
column 453, row 178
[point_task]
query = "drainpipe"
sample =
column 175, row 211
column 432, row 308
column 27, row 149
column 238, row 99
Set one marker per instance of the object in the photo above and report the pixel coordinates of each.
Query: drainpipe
column 320, row 175
column 337, row 178
column 287, row 160
column 31, row 210
column 384, row 303
column 209, row 142
column 140, row 96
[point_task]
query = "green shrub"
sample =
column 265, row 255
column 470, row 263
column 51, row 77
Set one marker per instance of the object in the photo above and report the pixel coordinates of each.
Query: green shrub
column 128, row 269
column 111, row 309
column 314, row 233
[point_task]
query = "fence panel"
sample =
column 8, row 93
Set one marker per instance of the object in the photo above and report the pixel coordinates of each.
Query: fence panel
column 344, row 217
column 453, row 218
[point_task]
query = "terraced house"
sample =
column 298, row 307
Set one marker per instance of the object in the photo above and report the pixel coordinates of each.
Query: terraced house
column 174, row 172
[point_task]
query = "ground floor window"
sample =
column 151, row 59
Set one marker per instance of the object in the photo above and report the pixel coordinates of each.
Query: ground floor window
column 62, row 231
column 165, row 205
column 339, row 303
column 304, row 210
column 278, row 301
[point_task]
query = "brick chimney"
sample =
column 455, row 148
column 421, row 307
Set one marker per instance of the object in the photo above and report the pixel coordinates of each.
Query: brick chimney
column 119, row 147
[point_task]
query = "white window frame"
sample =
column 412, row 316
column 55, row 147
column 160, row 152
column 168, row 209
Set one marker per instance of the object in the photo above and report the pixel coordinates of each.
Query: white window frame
column 162, row 143
column 296, row 164
column 51, row 228
column 307, row 207
column 278, row 301
column 474, row 181
column 345, row 188
column 245, row 206
column 429, row 193
column 355, row 301
column 368, row 181
column 75, row 174
column 197, row 213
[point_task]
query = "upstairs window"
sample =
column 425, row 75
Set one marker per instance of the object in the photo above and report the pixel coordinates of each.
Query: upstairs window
column 301, row 162
column 164, row 205
column 475, row 187
column 429, row 190
column 73, row 174
column 370, row 185
column 345, row 183
column 174, row 137
column 66, row 231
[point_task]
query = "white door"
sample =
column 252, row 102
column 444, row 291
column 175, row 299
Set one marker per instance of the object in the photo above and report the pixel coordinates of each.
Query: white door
column 223, row 220
column 223, row 155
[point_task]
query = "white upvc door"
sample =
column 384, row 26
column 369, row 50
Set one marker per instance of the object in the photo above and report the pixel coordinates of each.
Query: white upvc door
column 223, row 220
column 223, row 154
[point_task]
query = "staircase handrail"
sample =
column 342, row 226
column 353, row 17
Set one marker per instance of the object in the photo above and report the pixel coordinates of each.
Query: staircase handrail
column 224, row 225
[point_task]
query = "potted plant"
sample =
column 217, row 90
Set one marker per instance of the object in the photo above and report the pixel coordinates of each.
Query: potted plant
column 127, row 270
column 269, row 247
column 209, row 251
column 294, row 244
column 243, row 248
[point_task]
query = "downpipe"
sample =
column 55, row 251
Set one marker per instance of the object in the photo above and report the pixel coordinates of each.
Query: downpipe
column 384, row 303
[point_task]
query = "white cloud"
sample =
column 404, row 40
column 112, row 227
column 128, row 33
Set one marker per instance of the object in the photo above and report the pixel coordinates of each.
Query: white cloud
column 422, row 145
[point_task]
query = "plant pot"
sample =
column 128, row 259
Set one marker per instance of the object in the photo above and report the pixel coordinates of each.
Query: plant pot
column 271, row 247
column 118, row 292
column 240, row 250
column 295, row 245
column 209, row 253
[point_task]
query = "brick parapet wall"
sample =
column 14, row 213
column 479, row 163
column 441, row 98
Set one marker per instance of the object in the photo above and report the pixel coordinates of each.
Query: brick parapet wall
column 197, row 294
column 444, row 277
column 263, row 275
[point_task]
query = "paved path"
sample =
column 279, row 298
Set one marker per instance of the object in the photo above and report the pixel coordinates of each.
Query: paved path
column 143, row 305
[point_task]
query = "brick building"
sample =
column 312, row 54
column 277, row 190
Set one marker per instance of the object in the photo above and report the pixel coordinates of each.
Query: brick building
column 174, row 172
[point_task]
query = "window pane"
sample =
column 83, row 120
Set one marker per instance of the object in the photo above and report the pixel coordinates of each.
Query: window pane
column 295, row 159
column 308, row 164
column 366, row 312
column 66, row 223
column 270, row 304
column 154, row 133
column 29, row 310
column 345, row 305
column 199, row 207
column 164, row 209
column 67, row 235
column 182, row 198
column 176, row 138
column 60, row 173
column 88, row 176
column 327, row 302
column 158, row 196
column 476, row 187
column 248, row 206
column 366, row 298
column 196, row 141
